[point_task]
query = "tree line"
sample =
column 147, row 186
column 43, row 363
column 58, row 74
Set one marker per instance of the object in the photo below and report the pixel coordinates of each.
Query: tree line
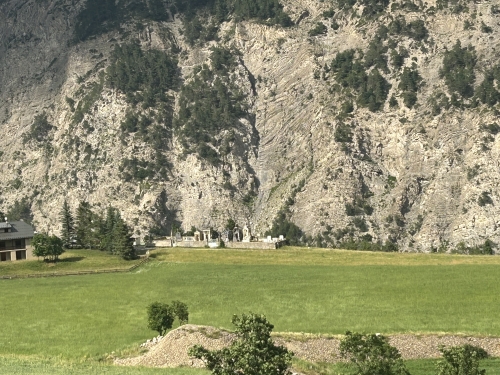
column 100, row 16
column 88, row 229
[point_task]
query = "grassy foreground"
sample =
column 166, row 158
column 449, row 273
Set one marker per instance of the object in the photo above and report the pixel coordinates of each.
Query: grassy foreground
column 70, row 261
column 27, row 366
column 319, row 291
column 37, row 366
column 415, row 367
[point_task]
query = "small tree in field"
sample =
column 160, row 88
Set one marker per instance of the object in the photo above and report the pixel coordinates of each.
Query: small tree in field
column 253, row 353
column 461, row 360
column 160, row 317
column 181, row 311
column 48, row 247
column 372, row 355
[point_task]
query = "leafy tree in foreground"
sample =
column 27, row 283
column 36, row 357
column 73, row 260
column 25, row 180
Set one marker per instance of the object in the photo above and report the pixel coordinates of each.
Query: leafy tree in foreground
column 253, row 353
column 68, row 226
column 160, row 317
column 461, row 360
column 372, row 355
column 48, row 247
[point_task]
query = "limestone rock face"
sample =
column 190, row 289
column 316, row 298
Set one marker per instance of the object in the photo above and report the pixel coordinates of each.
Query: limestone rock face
column 423, row 174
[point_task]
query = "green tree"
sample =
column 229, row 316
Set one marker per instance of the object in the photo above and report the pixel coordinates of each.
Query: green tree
column 253, row 353
column 122, row 243
column 372, row 355
column 282, row 226
column 107, row 229
column 85, row 228
column 68, row 227
column 48, row 247
column 39, row 129
column 461, row 360
column 160, row 317
column 231, row 224
column 180, row 310
column 458, row 70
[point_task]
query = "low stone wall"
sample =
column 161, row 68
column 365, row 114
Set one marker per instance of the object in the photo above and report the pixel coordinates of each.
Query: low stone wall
column 254, row 245
column 229, row 245
column 190, row 244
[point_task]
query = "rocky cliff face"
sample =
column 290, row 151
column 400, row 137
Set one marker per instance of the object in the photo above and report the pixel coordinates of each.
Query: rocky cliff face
column 419, row 176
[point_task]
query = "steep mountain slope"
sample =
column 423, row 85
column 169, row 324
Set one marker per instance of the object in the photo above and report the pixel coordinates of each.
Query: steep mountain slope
column 364, row 121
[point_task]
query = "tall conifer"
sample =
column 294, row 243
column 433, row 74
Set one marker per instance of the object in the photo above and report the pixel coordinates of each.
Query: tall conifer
column 68, row 227
column 122, row 243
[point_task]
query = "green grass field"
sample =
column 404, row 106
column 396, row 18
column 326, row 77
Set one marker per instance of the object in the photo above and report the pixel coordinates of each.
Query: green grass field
column 35, row 366
column 79, row 318
column 70, row 261
column 41, row 366
column 415, row 367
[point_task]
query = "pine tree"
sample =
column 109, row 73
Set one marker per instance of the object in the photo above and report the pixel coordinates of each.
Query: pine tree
column 122, row 243
column 86, row 235
column 107, row 228
column 68, row 228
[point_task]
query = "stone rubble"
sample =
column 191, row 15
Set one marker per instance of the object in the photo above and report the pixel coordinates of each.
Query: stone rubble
column 171, row 350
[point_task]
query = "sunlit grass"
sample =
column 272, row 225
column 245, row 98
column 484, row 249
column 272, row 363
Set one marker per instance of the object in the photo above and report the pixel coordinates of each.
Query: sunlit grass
column 70, row 261
column 315, row 256
column 82, row 318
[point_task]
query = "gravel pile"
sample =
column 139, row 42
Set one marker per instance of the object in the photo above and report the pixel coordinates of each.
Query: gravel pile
column 171, row 350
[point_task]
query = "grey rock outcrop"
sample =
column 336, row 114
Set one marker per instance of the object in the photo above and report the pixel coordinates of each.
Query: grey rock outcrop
column 421, row 173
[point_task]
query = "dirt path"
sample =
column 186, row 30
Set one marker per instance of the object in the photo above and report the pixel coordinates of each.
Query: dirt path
column 171, row 350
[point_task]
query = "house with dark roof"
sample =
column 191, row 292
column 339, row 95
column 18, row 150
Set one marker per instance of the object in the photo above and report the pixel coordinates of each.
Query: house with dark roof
column 15, row 241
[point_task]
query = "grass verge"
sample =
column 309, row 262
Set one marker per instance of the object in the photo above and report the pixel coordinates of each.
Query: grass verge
column 415, row 367
column 40, row 366
column 70, row 261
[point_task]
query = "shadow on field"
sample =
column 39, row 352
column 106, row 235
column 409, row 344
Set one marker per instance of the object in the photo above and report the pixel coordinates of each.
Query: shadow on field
column 71, row 259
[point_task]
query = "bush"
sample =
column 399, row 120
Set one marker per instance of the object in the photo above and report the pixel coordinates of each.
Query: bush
column 319, row 29
column 160, row 317
column 47, row 247
column 461, row 360
column 486, row 92
column 180, row 310
column 398, row 58
column 282, row 226
column 372, row 354
column 343, row 133
column 374, row 93
column 484, row 199
column 458, row 70
column 375, row 55
column 39, row 130
column 492, row 128
column 360, row 223
column 254, row 351
column 21, row 210
column 415, row 29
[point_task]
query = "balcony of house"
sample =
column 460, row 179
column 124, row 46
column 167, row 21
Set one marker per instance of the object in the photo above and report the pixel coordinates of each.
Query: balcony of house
column 13, row 245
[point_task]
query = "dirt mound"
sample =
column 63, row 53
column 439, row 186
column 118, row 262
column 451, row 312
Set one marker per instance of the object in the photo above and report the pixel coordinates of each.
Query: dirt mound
column 171, row 351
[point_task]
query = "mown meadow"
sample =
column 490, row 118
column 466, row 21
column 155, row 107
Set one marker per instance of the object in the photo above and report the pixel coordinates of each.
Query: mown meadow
column 83, row 319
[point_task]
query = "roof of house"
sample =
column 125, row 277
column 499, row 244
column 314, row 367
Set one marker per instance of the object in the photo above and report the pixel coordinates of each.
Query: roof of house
column 19, row 229
column 4, row 225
